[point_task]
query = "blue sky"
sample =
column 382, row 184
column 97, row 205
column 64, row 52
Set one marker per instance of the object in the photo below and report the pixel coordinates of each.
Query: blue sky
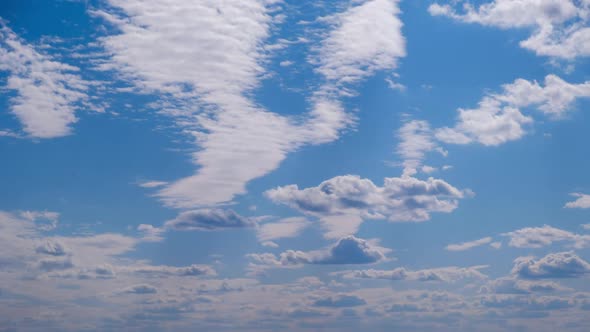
column 254, row 165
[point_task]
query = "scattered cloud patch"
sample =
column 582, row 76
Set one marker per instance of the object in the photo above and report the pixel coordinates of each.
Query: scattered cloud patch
column 552, row 266
column 582, row 202
column 208, row 220
column 468, row 245
column 343, row 202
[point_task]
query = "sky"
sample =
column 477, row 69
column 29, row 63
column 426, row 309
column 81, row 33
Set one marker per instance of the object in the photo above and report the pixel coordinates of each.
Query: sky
column 277, row 165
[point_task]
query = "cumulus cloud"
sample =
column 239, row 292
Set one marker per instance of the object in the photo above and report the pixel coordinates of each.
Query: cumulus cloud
column 151, row 233
column 343, row 202
column 498, row 118
column 443, row 274
column 284, row 228
column 51, row 248
column 208, row 219
column 48, row 92
column 558, row 27
column 554, row 265
column 348, row 250
column 537, row 237
column 468, row 245
column 582, row 201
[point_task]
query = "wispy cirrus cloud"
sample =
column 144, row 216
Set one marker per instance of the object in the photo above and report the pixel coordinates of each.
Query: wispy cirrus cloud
column 206, row 80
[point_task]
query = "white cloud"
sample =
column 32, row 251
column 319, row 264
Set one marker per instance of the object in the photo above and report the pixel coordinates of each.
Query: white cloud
column 48, row 92
column 151, row 233
column 554, row 265
column 343, row 202
column 446, row 274
column 366, row 38
column 499, row 119
column 284, row 228
column 511, row 285
column 558, row 27
column 205, row 80
column 416, row 140
column 537, row 237
column 208, row 219
column 468, row 245
column 582, row 201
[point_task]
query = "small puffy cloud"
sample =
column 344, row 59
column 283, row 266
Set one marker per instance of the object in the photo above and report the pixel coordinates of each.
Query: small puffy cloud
column 444, row 274
column 284, row 228
column 141, row 289
column 52, row 248
column 558, row 27
column 468, row 245
column 348, row 250
column 340, row 301
column 343, row 202
column 537, row 237
column 554, row 265
column 582, row 201
column 208, row 220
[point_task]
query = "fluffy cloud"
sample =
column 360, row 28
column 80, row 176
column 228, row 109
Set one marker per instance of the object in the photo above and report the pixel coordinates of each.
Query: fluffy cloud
column 537, row 237
column 48, row 92
column 444, row 274
column 582, row 201
column 468, row 245
column 498, row 118
column 348, row 250
column 559, row 27
column 208, row 219
column 343, row 202
column 554, row 265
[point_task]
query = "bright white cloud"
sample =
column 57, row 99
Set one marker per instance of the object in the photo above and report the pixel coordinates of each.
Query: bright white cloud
column 582, row 201
column 48, row 92
column 558, row 27
column 468, row 245
column 498, row 118
column 343, row 202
